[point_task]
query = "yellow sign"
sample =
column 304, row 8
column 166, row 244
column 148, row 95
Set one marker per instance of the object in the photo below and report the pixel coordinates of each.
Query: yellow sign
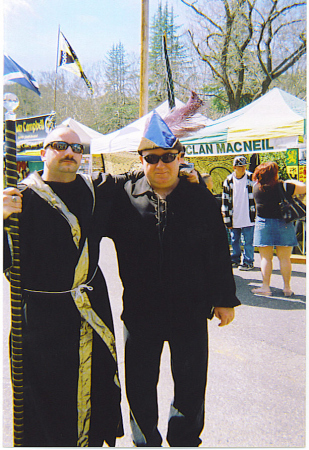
column 292, row 171
column 292, row 157
column 302, row 173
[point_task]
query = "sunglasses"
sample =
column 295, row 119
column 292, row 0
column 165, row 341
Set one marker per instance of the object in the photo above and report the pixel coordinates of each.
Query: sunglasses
column 165, row 158
column 61, row 146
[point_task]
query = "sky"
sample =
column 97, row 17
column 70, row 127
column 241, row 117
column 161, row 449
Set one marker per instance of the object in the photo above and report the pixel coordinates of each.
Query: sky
column 91, row 26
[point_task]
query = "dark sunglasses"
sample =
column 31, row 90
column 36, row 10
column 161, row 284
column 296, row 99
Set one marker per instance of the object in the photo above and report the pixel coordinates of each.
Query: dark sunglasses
column 60, row 146
column 166, row 158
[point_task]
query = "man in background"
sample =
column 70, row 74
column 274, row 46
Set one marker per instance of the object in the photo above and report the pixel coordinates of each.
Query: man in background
column 238, row 210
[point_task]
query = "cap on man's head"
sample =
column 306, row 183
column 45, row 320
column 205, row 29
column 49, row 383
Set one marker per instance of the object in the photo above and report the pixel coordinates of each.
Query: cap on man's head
column 158, row 135
column 240, row 161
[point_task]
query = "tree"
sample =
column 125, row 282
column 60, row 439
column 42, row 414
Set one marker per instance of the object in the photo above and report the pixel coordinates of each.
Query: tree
column 100, row 111
column 280, row 159
column 163, row 23
column 115, row 73
column 247, row 44
column 119, row 104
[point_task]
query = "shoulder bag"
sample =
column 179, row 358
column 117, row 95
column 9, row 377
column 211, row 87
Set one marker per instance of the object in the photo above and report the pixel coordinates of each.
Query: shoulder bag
column 291, row 207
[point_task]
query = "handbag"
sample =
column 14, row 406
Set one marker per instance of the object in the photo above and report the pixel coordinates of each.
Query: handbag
column 291, row 208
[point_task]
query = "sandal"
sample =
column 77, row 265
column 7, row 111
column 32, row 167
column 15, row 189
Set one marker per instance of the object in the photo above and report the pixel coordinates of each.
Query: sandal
column 261, row 291
column 288, row 292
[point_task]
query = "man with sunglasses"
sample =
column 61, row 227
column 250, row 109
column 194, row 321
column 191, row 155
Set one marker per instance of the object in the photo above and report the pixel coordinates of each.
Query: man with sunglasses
column 174, row 263
column 71, row 387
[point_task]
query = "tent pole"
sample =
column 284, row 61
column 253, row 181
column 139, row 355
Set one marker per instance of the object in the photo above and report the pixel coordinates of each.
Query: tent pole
column 55, row 88
column 143, row 99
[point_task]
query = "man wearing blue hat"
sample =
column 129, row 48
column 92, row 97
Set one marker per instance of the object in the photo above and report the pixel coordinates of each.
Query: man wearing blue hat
column 238, row 210
column 176, row 272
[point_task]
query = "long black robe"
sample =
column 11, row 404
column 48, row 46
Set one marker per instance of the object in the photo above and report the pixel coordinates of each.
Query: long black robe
column 51, row 322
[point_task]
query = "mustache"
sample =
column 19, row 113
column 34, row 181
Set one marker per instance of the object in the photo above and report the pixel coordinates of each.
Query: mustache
column 68, row 159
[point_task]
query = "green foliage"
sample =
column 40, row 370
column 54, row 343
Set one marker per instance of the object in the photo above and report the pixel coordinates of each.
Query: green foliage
column 280, row 159
column 116, row 72
column 113, row 117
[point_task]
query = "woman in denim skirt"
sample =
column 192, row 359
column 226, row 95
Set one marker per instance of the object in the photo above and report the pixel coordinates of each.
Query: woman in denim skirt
column 270, row 229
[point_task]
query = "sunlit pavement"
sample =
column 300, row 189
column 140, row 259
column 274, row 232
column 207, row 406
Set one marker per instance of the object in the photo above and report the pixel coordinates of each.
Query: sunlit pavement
column 256, row 378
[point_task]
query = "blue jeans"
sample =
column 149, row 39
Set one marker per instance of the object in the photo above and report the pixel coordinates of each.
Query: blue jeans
column 248, row 256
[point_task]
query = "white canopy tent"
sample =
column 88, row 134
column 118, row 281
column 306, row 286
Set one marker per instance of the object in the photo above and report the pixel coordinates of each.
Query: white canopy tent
column 85, row 133
column 274, row 122
column 128, row 138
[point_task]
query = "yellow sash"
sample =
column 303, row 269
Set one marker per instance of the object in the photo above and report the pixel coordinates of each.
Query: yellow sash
column 89, row 319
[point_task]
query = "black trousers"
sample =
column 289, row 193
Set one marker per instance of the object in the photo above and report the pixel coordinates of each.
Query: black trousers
column 189, row 357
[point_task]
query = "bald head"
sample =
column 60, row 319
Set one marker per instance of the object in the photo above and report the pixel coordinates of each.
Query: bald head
column 61, row 133
column 61, row 164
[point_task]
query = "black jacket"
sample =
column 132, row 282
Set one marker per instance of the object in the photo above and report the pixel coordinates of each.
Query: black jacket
column 173, row 256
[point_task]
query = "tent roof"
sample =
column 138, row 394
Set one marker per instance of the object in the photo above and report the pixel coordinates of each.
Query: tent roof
column 275, row 115
column 86, row 134
column 128, row 137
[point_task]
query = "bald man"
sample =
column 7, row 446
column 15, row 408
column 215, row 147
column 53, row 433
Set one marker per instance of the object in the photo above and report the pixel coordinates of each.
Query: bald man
column 71, row 386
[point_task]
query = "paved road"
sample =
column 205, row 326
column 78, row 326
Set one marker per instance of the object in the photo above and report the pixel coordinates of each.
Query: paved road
column 256, row 379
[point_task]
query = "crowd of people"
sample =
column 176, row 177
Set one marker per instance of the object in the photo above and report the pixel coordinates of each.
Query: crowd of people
column 251, row 209
column 158, row 221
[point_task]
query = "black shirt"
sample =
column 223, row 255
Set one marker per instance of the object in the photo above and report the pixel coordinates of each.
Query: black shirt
column 173, row 256
column 267, row 201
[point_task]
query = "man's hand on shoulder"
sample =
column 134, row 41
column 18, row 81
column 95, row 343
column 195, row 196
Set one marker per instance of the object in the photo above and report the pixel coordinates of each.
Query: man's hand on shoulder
column 193, row 176
column 226, row 315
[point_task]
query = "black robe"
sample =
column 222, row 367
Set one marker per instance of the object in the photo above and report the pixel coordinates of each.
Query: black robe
column 52, row 321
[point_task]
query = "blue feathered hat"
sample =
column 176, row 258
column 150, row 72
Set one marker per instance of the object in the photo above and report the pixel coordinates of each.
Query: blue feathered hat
column 178, row 123
column 158, row 135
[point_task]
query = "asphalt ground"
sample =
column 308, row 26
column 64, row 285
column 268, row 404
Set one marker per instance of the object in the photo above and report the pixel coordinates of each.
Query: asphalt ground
column 256, row 376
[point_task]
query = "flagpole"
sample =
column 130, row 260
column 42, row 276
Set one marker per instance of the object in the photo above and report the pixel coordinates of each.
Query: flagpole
column 57, row 59
column 143, row 99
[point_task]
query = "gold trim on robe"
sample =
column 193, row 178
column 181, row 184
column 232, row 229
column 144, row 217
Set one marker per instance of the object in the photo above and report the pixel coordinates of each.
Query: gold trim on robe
column 89, row 319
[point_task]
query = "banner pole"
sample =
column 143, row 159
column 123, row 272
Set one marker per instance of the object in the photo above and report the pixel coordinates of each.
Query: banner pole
column 11, row 175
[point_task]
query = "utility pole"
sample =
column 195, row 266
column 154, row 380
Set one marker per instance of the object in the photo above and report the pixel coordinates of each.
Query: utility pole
column 143, row 99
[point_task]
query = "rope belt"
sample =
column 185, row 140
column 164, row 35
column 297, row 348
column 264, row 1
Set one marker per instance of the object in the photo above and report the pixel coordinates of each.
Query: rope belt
column 90, row 320
column 78, row 290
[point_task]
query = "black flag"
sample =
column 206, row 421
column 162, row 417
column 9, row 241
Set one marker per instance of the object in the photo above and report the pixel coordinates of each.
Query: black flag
column 169, row 80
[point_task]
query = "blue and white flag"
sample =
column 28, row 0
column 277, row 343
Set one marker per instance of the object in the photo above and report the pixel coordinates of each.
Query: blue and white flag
column 16, row 74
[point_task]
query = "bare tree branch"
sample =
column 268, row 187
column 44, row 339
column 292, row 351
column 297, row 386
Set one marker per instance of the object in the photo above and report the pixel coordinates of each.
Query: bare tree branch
column 226, row 43
column 200, row 13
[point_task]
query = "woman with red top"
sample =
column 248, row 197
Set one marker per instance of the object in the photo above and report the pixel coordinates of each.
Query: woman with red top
column 270, row 229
